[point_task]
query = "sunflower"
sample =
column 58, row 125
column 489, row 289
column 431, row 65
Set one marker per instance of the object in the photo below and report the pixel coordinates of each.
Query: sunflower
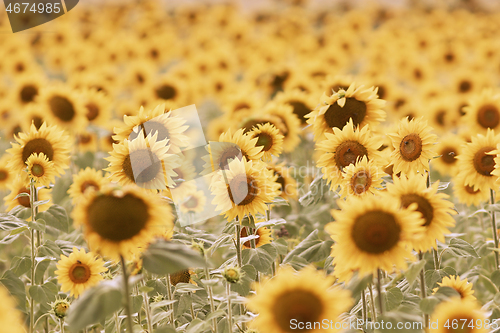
column 27, row 88
column 49, row 140
column 84, row 180
column 290, row 128
column 248, row 119
column 217, row 126
column 21, row 185
column 269, row 138
column 244, row 188
column 121, row 221
column 288, row 185
column 463, row 287
column 170, row 89
column 40, row 169
column 467, row 194
column 11, row 319
column 98, row 106
column 33, row 114
column 153, row 121
column 434, row 208
column 193, row 202
column 306, row 296
column 79, row 271
column 483, row 111
column 300, row 102
column 182, row 276
column 363, row 177
column 6, row 173
column 182, row 184
column 87, row 141
column 412, row 144
column 143, row 161
column 264, row 237
column 356, row 103
column 344, row 147
column 372, row 232
column 476, row 162
column 466, row 313
column 448, row 148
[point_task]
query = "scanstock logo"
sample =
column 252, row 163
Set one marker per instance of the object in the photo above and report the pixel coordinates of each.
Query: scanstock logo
column 26, row 14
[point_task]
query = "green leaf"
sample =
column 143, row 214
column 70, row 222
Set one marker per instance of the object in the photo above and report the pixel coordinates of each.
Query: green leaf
column 222, row 240
column 50, row 249
column 394, row 297
column 55, row 217
column 495, row 277
column 279, row 201
column 20, row 265
column 410, row 323
column 196, row 326
column 38, row 225
column 271, row 222
column 312, row 249
column 461, row 248
column 243, row 286
column 247, row 222
column 281, row 246
column 298, row 263
column 45, row 293
column 40, row 268
column 145, row 289
column 164, row 257
column 95, row 305
column 357, row 285
column 10, row 222
column 21, row 212
column 261, row 258
column 414, row 270
column 186, row 288
column 428, row 304
column 446, row 292
column 164, row 330
column 136, row 303
column 16, row 288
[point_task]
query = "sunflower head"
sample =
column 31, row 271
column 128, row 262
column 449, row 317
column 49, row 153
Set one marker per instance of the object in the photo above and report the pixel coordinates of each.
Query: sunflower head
column 40, row 169
column 232, row 274
column 269, row 139
column 60, row 307
column 361, row 178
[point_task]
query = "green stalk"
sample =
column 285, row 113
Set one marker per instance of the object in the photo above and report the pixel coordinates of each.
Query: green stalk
column 229, row 308
column 211, row 298
column 494, row 228
column 128, row 303
column 61, row 323
column 117, row 322
column 364, row 310
column 147, row 309
column 379, row 291
column 372, row 304
column 33, row 254
column 170, row 298
column 423, row 288
column 238, row 242
column 436, row 259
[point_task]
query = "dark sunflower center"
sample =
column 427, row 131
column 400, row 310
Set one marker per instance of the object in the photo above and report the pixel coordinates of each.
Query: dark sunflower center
column 399, row 103
column 117, row 219
column 180, row 277
column 488, row 116
column 348, row 153
column 301, row 305
column 79, row 273
column 460, row 328
column 410, row 147
column 338, row 117
column 37, row 170
column 84, row 138
column 28, row 93
column 464, row 86
column 300, row 109
column 3, row 175
column 150, row 128
column 142, row 166
column 280, row 180
column 381, row 92
column 483, row 163
column 166, row 91
column 88, row 184
column 470, row 189
column 37, row 121
column 139, row 78
column 24, row 201
column 361, row 182
column 376, row 232
column 449, row 155
column 440, row 116
column 242, row 190
column 62, row 108
column 423, row 206
column 229, row 154
column 92, row 111
column 191, row 203
column 38, row 145
column 265, row 140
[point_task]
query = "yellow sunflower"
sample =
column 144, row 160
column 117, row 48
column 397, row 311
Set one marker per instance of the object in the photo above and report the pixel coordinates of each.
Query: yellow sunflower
column 11, row 319
column 463, row 287
column 466, row 314
column 264, row 237
column 49, row 140
column 33, row 114
column 21, row 185
column 84, row 180
column 79, row 271
column 372, row 233
column 269, row 138
column 412, row 144
column 288, row 185
column 121, row 221
column 98, row 106
column 363, row 177
column 182, row 185
column 244, row 188
column 182, row 276
column 290, row 128
column 448, row 148
column 300, row 102
column 193, row 202
column 343, row 148
column 356, row 103
column 306, row 296
column 412, row 193
column 40, row 169
column 483, row 111
column 6, row 173
column 476, row 162
column 27, row 87
column 467, row 194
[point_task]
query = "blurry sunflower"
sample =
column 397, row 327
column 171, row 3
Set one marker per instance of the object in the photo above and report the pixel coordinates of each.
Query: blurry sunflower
column 343, row 148
column 333, row 83
column 49, row 140
column 217, row 126
column 463, row 287
column 21, row 185
column 476, row 162
column 6, row 173
column 412, row 144
column 182, row 276
column 121, row 221
column 290, row 128
column 356, row 103
column 11, row 319
column 372, row 232
column 27, row 87
column 244, row 188
column 462, row 311
column 448, row 148
column 87, row 141
column 33, row 114
column 98, row 106
column 79, row 271
column 182, row 185
column 264, row 237
column 40, row 169
column 269, row 138
column 363, row 177
column 483, row 111
column 288, row 185
column 193, row 202
column 84, row 180
column 300, row 102
column 170, row 89
column 467, row 194
column 306, row 296
column 435, row 209
column 139, row 73
column 441, row 114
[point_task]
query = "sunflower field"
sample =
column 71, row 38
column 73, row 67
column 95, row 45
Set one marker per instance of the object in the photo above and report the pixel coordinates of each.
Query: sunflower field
column 235, row 166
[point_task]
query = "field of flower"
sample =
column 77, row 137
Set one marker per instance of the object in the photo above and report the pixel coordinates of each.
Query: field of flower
column 203, row 168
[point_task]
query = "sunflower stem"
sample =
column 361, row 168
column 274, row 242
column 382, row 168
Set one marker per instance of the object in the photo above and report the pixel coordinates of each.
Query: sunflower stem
column 379, row 292
column 238, row 242
column 363, row 309
column 436, row 258
column 61, row 323
column 229, row 308
column 372, row 304
column 33, row 254
column 191, row 308
column 423, row 289
column 117, row 322
column 170, row 298
column 128, row 304
column 147, row 310
column 210, row 297
column 494, row 228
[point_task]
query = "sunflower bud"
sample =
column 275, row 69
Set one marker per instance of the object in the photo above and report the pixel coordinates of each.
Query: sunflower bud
column 198, row 247
column 232, row 274
column 60, row 307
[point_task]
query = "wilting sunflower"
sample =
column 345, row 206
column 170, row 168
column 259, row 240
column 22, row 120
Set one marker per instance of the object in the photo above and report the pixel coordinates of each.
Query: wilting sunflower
column 448, row 148
column 372, row 232
column 269, row 138
column 288, row 185
column 79, row 271
column 463, row 287
column 343, row 148
column 363, row 177
column 264, row 237
column 49, row 140
column 84, row 180
column 244, row 188
column 466, row 313
column 483, row 111
column 477, row 162
column 6, row 173
column 356, row 103
column 412, row 143
column 157, row 120
column 466, row 194
column 142, row 161
column 306, row 296
column 40, row 169
column 10, row 318
column 21, row 185
column 121, row 221
column 435, row 209
column 193, row 202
